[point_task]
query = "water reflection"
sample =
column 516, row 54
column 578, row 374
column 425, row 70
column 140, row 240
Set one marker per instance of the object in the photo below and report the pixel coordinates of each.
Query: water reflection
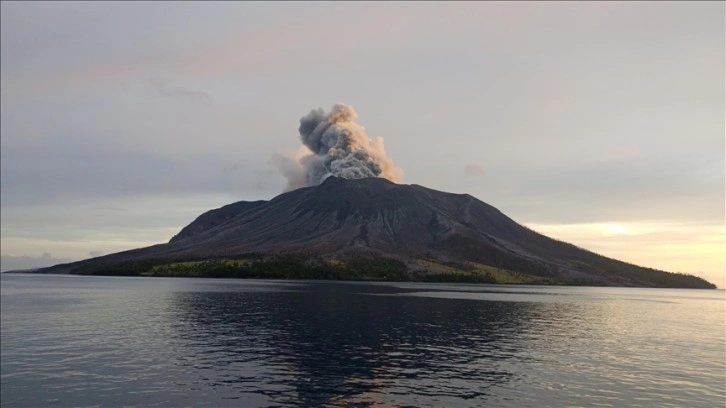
column 89, row 341
column 338, row 344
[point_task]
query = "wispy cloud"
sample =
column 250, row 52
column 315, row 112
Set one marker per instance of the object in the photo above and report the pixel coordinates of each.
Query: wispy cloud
column 164, row 88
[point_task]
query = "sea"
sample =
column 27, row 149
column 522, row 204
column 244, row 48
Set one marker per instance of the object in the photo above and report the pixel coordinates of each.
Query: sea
column 72, row 341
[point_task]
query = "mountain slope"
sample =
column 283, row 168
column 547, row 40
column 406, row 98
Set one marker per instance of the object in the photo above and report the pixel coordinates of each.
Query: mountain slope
column 405, row 222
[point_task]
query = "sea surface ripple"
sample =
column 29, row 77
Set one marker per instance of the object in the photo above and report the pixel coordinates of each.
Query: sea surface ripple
column 69, row 341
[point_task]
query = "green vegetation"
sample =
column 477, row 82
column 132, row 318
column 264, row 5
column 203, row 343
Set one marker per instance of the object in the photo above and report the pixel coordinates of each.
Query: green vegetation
column 122, row 268
column 472, row 272
column 291, row 266
column 360, row 267
column 505, row 276
column 368, row 267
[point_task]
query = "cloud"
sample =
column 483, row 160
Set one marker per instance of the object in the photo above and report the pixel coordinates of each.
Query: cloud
column 78, row 167
column 178, row 92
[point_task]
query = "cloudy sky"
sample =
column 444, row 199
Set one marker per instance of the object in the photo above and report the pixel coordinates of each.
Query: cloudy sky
column 598, row 123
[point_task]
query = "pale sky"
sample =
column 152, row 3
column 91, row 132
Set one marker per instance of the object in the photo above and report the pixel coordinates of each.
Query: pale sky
column 598, row 123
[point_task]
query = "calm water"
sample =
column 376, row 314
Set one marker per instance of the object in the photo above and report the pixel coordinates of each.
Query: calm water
column 70, row 341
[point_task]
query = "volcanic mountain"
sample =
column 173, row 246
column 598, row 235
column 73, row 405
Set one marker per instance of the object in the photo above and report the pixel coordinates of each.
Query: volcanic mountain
column 429, row 232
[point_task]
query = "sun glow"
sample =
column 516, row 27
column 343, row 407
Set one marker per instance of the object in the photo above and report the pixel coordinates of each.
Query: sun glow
column 614, row 229
column 693, row 248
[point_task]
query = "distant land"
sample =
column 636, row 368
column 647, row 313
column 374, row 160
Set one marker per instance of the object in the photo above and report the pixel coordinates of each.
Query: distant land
column 372, row 229
column 12, row 263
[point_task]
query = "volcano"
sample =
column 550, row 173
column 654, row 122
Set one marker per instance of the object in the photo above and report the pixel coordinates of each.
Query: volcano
column 426, row 232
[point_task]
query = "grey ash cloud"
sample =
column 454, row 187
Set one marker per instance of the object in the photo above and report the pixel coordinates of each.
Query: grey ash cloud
column 335, row 145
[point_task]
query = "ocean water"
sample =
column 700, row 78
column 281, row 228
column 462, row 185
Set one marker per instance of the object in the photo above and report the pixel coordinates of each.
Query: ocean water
column 70, row 341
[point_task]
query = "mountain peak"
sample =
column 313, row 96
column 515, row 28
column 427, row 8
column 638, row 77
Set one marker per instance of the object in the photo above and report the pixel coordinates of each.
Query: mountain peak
column 410, row 223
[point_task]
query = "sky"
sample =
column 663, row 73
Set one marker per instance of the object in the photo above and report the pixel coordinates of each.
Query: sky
column 598, row 123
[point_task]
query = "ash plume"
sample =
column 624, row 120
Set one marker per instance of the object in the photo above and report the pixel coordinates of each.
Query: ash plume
column 334, row 145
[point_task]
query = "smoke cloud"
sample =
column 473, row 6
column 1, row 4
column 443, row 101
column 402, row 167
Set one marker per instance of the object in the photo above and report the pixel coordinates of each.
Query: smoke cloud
column 334, row 145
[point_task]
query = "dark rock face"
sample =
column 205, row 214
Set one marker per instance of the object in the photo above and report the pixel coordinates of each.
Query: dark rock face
column 211, row 219
column 368, row 213
column 406, row 222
